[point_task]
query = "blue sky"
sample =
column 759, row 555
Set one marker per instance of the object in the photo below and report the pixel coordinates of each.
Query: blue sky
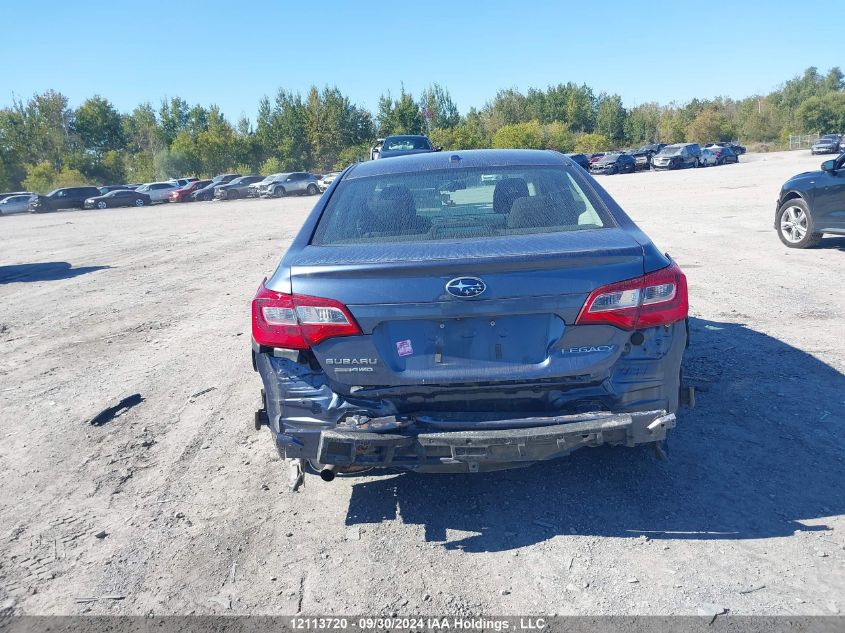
column 231, row 53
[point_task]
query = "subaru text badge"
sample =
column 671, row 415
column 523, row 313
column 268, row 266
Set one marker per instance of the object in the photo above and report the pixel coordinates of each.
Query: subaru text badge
column 465, row 287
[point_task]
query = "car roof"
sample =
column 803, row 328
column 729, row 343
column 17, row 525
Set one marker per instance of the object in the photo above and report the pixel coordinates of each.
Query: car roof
column 433, row 161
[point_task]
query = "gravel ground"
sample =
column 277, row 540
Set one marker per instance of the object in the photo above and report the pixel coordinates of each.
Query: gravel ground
column 178, row 506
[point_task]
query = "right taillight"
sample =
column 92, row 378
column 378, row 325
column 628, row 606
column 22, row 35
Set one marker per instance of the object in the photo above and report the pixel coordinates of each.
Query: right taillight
column 298, row 321
column 653, row 299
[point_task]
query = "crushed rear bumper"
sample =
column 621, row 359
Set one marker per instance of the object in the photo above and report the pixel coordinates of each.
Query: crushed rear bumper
column 422, row 446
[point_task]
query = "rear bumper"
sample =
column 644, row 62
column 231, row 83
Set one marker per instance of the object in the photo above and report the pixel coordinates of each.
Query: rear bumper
column 420, row 446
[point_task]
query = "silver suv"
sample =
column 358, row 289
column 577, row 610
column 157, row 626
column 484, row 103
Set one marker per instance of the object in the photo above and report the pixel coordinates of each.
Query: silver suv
column 298, row 182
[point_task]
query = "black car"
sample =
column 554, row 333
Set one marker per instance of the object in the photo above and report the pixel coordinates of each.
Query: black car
column 118, row 198
column 237, row 188
column 827, row 144
column 811, row 204
column 677, row 156
column 642, row 155
column 614, row 164
column 207, row 192
column 581, row 159
column 64, row 198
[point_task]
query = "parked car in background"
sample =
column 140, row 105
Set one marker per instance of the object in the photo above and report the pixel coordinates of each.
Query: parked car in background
column 596, row 156
column 560, row 325
column 677, row 156
column 119, row 198
column 254, row 190
column 133, row 186
column 106, row 188
column 15, row 204
column 717, row 155
column 64, row 198
column 327, row 179
column 298, row 182
column 6, row 194
column 614, row 164
column 811, row 204
column 643, row 155
column 207, row 193
column 582, row 160
column 735, row 147
column 827, row 144
column 223, row 178
column 158, row 191
column 404, row 145
column 183, row 194
column 237, row 188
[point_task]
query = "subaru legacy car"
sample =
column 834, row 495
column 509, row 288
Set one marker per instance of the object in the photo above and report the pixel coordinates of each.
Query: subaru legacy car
column 424, row 320
column 811, row 204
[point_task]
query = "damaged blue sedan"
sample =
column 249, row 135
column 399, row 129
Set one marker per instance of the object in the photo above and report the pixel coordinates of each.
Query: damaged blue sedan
column 464, row 312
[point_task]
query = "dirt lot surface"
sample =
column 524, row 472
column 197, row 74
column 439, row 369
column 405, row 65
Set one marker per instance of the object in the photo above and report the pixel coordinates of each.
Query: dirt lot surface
column 178, row 506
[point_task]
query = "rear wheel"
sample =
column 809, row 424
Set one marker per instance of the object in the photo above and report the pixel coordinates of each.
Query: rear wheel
column 312, row 190
column 696, row 164
column 795, row 225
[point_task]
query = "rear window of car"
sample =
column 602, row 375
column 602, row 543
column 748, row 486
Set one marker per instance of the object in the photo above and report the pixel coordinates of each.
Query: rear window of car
column 406, row 143
column 463, row 203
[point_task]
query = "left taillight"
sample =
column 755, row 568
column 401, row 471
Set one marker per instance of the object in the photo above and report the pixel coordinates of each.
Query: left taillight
column 657, row 298
column 298, row 321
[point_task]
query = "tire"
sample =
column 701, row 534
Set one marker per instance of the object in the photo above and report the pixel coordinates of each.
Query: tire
column 232, row 195
column 312, row 190
column 139, row 202
column 794, row 225
column 279, row 192
column 696, row 164
column 101, row 205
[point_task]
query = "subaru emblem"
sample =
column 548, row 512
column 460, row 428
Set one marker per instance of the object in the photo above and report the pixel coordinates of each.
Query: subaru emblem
column 465, row 287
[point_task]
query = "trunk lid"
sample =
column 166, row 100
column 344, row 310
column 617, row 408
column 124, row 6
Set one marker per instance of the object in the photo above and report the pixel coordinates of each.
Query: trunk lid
column 414, row 331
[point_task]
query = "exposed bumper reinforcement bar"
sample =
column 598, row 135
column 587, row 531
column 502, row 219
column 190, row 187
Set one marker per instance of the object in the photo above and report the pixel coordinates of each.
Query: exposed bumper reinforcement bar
column 463, row 450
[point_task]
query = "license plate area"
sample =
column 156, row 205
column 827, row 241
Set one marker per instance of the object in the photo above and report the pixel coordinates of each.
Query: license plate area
column 470, row 341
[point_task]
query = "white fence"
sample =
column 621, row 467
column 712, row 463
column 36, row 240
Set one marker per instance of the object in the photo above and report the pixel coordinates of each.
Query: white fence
column 802, row 141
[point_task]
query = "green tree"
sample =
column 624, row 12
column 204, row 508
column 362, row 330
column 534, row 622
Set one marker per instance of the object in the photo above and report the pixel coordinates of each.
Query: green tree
column 610, row 118
column 437, row 108
column 399, row 116
column 40, row 177
column 822, row 114
column 520, row 135
column 99, row 126
column 591, row 143
column 710, row 125
column 642, row 124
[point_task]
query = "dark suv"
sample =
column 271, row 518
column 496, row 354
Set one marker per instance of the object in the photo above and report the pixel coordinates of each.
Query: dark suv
column 479, row 329
column 811, row 204
column 643, row 155
column 64, row 198
column 677, row 156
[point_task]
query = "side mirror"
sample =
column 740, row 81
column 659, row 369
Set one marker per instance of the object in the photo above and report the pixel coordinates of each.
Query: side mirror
column 829, row 165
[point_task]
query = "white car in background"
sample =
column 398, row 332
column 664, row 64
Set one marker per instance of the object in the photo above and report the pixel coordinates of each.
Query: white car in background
column 158, row 191
column 327, row 180
column 15, row 204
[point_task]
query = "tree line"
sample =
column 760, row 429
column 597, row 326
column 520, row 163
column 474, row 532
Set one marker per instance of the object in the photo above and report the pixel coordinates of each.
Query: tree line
column 45, row 143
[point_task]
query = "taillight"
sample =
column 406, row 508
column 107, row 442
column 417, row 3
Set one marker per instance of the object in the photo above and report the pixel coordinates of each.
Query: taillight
column 654, row 299
column 298, row 321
